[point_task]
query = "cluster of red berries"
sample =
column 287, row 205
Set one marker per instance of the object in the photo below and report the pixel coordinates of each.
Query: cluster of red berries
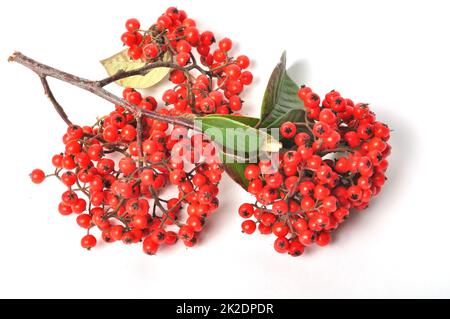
column 338, row 163
column 119, row 189
column 115, row 170
column 216, row 88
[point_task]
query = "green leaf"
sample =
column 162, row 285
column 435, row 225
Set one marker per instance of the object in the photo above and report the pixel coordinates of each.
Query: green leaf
column 240, row 139
column 233, row 169
column 237, row 172
column 237, row 134
column 246, row 120
column 280, row 102
column 122, row 62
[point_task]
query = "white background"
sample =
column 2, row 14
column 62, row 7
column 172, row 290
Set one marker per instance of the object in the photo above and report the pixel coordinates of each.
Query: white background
column 393, row 54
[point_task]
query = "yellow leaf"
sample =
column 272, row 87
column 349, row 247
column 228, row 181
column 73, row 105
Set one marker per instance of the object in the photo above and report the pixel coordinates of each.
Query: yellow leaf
column 122, row 62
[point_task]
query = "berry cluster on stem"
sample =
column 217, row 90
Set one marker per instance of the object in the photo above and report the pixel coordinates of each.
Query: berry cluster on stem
column 338, row 162
column 115, row 170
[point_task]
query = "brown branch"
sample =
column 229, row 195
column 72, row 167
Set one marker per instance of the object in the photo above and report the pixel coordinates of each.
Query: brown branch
column 95, row 87
column 169, row 44
column 163, row 210
column 220, row 67
column 139, row 140
column 52, row 99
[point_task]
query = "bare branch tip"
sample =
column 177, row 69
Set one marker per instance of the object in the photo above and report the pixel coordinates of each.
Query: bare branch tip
column 13, row 56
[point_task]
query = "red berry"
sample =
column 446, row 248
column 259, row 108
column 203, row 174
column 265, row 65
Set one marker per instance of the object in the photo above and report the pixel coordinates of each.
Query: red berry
column 280, row 229
column 134, row 97
column 116, row 232
column 171, row 238
column 280, row 207
column 68, row 178
column 110, row 133
column 296, row 249
column 192, row 35
column 234, row 87
column 57, row 160
column 243, row 61
column 128, row 133
column 235, row 103
column 37, row 176
column 149, row 246
column 164, row 22
column 135, row 52
column 64, row 209
column 311, row 100
column 207, row 38
column 84, row 220
column 183, row 46
column 186, row 233
column 127, row 165
column 151, row 50
column 321, row 129
column 248, row 227
column 323, row 239
column 159, row 236
column 307, row 237
column 88, row 242
column 232, row 71
column 252, row 171
column 225, row 44
column 132, row 24
column 69, row 197
column 246, row 210
column 246, row 78
column 195, row 222
column 303, row 91
column 281, row 245
column 327, row 116
column 129, row 38
column 288, row 130
column 169, row 97
column 79, row 206
column 182, row 58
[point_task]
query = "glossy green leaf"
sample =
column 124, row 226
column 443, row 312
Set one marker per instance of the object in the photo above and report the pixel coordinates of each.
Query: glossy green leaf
column 237, row 172
column 237, row 134
column 280, row 102
column 235, row 165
